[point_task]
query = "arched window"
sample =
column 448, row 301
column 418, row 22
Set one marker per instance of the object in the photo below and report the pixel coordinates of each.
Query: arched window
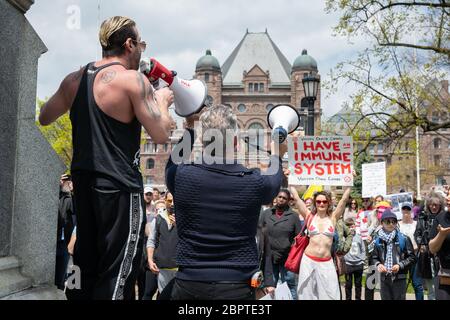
column 150, row 164
column 437, row 143
column 255, row 137
column 206, row 77
column 242, row 108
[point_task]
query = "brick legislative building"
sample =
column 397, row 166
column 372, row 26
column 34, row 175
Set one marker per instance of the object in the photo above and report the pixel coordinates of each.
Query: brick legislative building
column 255, row 77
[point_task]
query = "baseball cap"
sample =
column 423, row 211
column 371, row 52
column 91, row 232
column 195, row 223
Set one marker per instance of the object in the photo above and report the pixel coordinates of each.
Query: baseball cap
column 148, row 189
column 407, row 205
column 388, row 214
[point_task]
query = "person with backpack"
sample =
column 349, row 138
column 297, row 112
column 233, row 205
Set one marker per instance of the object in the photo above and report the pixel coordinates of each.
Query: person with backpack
column 342, row 244
column 318, row 279
column 393, row 255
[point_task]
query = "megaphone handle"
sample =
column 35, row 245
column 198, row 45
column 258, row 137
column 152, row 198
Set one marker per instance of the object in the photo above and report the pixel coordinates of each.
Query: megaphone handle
column 246, row 140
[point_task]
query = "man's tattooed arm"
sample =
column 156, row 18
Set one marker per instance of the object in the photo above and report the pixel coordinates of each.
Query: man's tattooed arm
column 146, row 95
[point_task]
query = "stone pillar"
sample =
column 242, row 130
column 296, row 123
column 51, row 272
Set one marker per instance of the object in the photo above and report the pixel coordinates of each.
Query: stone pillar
column 30, row 169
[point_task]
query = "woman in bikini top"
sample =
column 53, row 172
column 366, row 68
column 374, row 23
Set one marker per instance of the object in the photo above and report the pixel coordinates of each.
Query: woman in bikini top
column 321, row 222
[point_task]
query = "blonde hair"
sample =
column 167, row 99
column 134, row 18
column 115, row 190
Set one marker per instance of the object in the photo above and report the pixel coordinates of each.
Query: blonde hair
column 111, row 26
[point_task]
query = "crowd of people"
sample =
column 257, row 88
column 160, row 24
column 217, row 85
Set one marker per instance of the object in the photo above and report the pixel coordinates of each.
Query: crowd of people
column 345, row 241
column 220, row 230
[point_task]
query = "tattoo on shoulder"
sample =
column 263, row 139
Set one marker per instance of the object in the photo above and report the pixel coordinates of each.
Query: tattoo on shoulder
column 146, row 95
column 108, row 76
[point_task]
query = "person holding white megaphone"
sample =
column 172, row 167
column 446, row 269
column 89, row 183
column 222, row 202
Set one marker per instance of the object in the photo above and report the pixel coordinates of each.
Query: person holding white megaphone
column 282, row 119
column 189, row 95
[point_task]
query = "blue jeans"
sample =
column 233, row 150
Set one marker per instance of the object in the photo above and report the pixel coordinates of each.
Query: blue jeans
column 286, row 276
column 416, row 282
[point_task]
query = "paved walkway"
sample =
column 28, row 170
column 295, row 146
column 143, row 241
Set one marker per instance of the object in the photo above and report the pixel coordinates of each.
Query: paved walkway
column 409, row 296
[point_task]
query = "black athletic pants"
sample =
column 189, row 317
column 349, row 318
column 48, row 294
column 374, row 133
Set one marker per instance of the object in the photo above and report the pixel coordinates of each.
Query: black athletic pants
column 110, row 231
column 356, row 274
column 194, row 290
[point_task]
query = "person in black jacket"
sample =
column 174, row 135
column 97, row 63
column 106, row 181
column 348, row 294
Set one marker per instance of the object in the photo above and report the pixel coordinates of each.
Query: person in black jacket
column 265, row 261
column 440, row 245
column 427, row 266
column 283, row 224
column 217, row 203
column 393, row 255
column 66, row 223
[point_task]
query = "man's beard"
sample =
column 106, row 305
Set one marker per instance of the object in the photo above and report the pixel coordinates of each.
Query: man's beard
column 134, row 65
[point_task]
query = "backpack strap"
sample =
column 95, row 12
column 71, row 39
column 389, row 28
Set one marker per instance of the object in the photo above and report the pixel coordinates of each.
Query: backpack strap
column 401, row 241
column 377, row 241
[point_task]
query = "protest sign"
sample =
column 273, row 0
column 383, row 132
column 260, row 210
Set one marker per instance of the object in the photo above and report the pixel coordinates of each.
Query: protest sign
column 321, row 160
column 397, row 200
column 373, row 179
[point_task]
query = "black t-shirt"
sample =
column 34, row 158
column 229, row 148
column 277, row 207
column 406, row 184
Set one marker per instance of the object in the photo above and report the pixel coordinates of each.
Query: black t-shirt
column 442, row 219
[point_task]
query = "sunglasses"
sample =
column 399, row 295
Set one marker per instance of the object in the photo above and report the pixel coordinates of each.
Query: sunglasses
column 142, row 44
column 321, row 202
column 390, row 221
column 283, row 198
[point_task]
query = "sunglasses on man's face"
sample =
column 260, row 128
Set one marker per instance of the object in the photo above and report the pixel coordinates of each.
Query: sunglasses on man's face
column 390, row 221
column 284, row 198
column 319, row 202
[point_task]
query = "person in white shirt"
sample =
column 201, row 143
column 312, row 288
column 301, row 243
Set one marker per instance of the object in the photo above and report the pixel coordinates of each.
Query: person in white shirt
column 408, row 227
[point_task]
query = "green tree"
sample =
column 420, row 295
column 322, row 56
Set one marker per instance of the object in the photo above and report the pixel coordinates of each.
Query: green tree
column 398, row 79
column 357, row 181
column 59, row 135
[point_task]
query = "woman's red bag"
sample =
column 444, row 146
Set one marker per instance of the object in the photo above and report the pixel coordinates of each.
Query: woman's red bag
column 301, row 241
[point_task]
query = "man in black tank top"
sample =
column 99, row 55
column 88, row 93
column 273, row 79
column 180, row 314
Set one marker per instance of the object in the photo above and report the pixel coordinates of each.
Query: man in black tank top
column 109, row 101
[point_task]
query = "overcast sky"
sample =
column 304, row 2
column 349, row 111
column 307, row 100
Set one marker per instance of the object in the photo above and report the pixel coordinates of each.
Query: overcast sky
column 179, row 31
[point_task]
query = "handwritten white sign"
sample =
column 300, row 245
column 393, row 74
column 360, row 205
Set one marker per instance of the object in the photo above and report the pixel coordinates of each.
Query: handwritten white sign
column 321, row 160
column 373, row 179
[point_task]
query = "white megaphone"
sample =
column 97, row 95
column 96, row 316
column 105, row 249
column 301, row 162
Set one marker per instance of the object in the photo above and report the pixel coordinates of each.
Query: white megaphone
column 189, row 95
column 283, row 119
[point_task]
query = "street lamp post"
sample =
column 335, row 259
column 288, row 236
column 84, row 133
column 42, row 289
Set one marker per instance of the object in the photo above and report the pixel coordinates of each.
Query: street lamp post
column 311, row 87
